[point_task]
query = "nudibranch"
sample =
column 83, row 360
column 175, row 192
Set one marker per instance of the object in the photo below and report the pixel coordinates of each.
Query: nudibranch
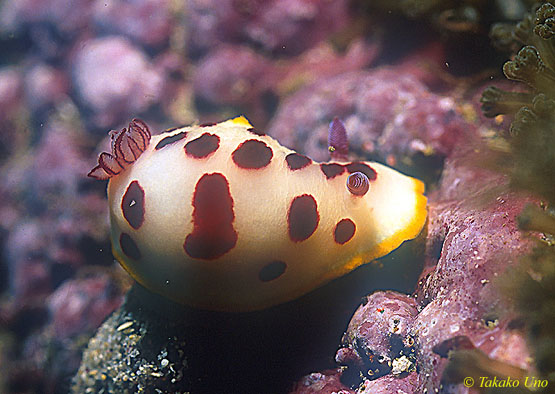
column 222, row 217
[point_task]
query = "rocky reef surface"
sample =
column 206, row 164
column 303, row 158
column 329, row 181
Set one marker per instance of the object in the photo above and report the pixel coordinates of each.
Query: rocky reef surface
column 401, row 341
column 471, row 296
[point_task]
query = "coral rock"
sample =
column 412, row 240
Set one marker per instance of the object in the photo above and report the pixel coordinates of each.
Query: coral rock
column 473, row 238
column 286, row 26
column 45, row 86
column 384, row 113
column 81, row 305
column 115, row 78
column 145, row 21
column 326, row 382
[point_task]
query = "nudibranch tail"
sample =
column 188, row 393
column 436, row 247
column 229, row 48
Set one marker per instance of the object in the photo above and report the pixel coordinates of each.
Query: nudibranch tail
column 127, row 145
column 338, row 145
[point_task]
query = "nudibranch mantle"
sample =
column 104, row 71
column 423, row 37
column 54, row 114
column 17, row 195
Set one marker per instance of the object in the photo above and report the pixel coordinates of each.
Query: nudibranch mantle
column 223, row 217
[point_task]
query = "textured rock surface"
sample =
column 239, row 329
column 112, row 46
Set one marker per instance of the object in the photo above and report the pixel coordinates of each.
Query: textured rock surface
column 153, row 344
column 66, row 16
column 389, row 115
column 472, row 239
column 131, row 354
column 289, row 26
column 237, row 76
column 67, row 77
column 326, row 382
column 55, row 267
column 115, row 79
column 262, row 352
column 378, row 340
column 70, row 71
column 145, row 21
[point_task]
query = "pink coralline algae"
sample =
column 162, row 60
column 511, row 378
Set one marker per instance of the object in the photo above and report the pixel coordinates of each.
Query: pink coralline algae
column 386, row 113
column 74, row 69
column 400, row 342
column 67, row 16
column 11, row 102
column 10, row 89
column 81, row 305
column 145, row 21
column 233, row 75
column 115, row 79
column 29, row 274
column 55, row 168
column 379, row 333
column 45, row 86
column 289, row 26
column 53, row 227
column 326, row 382
column 238, row 76
column 67, row 315
column 280, row 24
column 390, row 384
column 43, row 245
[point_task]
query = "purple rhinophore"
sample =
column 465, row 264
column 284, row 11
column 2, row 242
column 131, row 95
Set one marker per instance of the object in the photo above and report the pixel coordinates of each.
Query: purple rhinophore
column 338, row 145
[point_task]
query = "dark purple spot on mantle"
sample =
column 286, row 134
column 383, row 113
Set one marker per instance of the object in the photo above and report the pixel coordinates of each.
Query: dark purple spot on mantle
column 213, row 234
column 202, row 146
column 252, row 154
column 344, row 231
column 170, row 140
column 358, row 166
column 332, row 170
column 255, row 131
column 297, row 161
column 302, row 218
column 129, row 246
column 272, row 271
column 133, row 205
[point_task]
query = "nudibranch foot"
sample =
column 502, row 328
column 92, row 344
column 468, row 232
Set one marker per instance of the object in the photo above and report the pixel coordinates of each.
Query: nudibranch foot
column 127, row 145
column 223, row 217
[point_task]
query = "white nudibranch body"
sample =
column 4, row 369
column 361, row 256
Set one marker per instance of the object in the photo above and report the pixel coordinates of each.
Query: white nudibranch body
column 223, row 217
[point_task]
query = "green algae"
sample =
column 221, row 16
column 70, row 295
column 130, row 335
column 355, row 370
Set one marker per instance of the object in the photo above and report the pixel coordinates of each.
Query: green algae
column 531, row 140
